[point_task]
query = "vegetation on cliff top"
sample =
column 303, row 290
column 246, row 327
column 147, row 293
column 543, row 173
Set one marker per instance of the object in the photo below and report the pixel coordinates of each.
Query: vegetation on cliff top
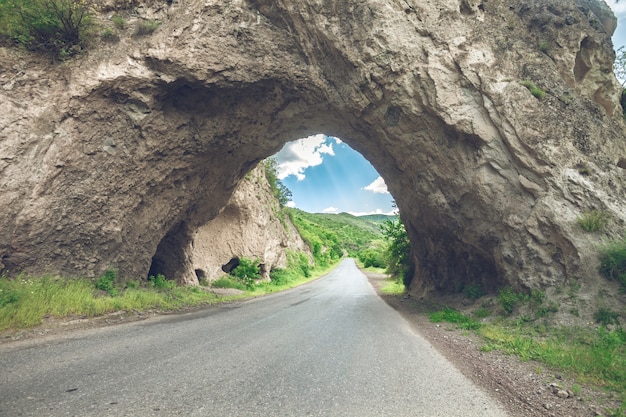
column 60, row 27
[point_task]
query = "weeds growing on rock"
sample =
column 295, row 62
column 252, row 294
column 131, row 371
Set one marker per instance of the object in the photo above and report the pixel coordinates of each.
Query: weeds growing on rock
column 613, row 261
column 146, row 27
column 593, row 220
column 534, row 90
column 61, row 27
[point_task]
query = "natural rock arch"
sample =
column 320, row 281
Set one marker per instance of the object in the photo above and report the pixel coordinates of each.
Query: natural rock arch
column 127, row 151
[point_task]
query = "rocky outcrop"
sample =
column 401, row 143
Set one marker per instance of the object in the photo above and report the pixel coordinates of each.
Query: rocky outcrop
column 140, row 143
column 251, row 226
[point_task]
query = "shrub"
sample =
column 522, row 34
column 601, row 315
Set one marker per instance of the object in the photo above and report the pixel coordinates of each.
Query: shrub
column 372, row 258
column 508, row 299
column 482, row 312
column 593, row 221
column 247, row 271
column 108, row 34
column 613, row 261
column 57, row 26
column 119, row 22
column 399, row 250
column 106, row 282
column 160, row 282
column 280, row 190
column 146, row 27
column 534, row 90
column 606, row 316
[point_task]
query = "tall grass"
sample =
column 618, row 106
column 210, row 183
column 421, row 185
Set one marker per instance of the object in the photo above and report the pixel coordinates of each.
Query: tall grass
column 25, row 302
column 592, row 356
column 596, row 356
column 613, row 261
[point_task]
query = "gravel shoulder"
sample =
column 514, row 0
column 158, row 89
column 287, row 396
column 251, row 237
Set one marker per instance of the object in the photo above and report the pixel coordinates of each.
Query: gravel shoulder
column 526, row 389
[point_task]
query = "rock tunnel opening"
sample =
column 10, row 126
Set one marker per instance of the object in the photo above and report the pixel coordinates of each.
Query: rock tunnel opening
column 449, row 186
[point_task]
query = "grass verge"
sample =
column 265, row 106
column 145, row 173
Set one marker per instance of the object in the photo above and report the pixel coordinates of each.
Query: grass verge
column 594, row 356
column 26, row 301
column 393, row 286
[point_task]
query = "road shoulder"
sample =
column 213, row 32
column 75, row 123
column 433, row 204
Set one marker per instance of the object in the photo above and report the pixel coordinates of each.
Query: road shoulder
column 523, row 388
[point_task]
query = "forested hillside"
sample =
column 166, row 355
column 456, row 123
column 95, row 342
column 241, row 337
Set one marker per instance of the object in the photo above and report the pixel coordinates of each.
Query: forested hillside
column 332, row 236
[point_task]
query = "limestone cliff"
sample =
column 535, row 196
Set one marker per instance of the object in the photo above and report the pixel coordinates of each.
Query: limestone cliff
column 251, row 225
column 143, row 141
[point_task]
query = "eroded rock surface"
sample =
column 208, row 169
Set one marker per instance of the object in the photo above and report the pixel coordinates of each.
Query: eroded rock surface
column 250, row 226
column 103, row 157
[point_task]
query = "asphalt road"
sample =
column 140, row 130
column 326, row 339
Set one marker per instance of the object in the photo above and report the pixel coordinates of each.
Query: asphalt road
column 329, row 348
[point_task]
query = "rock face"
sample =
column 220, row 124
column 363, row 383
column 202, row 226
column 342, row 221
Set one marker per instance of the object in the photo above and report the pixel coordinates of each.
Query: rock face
column 140, row 142
column 250, row 226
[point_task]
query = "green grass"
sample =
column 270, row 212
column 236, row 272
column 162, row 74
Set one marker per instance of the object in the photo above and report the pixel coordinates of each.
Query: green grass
column 61, row 27
column 450, row 315
column 596, row 356
column 394, row 287
column 534, row 90
column 591, row 356
column 25, row 302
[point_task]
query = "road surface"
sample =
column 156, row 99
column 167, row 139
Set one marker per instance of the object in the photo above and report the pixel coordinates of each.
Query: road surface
column 329, row 348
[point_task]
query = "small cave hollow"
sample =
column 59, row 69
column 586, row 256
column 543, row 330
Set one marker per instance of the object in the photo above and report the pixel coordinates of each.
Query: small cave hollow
column 230, row 265
column 170, row 258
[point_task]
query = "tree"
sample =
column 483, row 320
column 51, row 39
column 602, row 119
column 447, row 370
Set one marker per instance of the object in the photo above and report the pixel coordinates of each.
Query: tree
column 398, row 253
column 620, row 72
column 281, row 192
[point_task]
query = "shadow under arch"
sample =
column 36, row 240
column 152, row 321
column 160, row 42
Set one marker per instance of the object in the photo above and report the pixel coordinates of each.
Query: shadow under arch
column 231, row 129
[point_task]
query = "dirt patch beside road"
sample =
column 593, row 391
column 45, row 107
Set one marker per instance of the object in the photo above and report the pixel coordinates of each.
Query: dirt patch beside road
column 526, row 389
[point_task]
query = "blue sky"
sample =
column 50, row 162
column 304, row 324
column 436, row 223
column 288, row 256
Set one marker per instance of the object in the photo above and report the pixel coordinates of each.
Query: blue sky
column 325, row 175
column 619, row 37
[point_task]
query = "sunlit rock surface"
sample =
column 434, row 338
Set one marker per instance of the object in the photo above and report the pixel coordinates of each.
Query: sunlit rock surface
column 105, row 156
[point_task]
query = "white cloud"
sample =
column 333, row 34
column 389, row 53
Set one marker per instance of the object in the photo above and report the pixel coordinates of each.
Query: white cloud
column 291, row 204
column 617, row 7
column 330, row 210
column 295, row 157
column 377, row 211
column 378, row 186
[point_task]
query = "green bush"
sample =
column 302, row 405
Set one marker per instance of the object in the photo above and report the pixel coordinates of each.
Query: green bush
column 508, row 299
column 372, row 258
column 160, row 282
column 398, row 252
column 106, row 282
column 58, row 26
column 613, row 261
column 247, row 271
column 280, row 190
column 593, row 221
column 606, row 316
column 534, row 90
column 119, row 22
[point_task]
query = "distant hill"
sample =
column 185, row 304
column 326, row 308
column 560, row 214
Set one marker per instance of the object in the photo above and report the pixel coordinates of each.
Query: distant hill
column 378, row 218
column 350, row 233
